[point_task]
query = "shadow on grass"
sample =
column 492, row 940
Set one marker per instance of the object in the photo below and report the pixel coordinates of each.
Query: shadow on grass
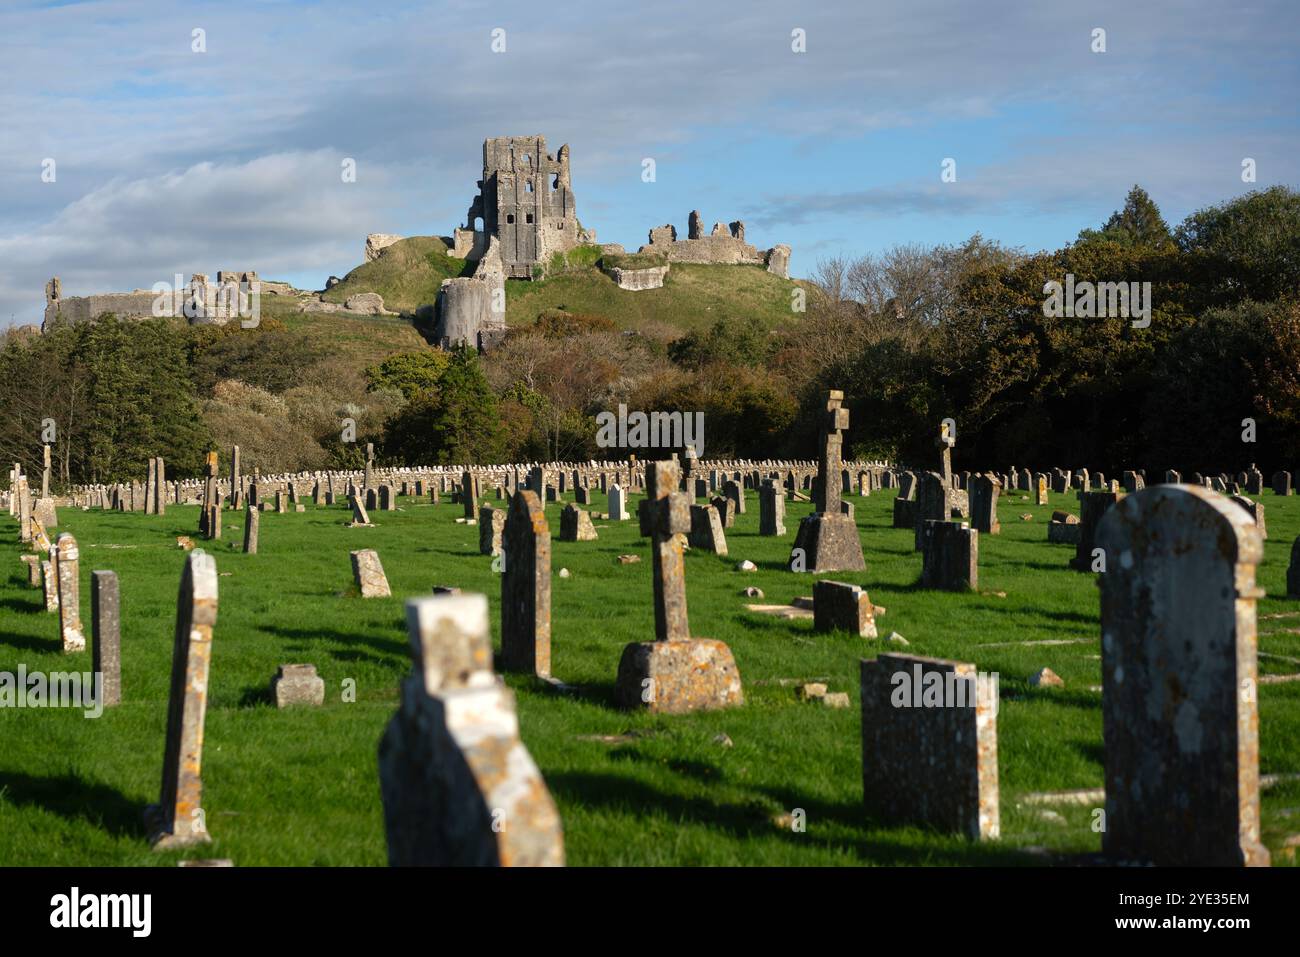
column 751, row 819
column 382, row 650
column 73, row 798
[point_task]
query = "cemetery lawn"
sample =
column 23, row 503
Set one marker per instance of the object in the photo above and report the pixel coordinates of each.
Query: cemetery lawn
column 301, row 787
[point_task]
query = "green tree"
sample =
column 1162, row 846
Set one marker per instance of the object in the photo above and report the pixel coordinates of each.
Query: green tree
column 409, row 372
column 454, row 423
column 1139, row 223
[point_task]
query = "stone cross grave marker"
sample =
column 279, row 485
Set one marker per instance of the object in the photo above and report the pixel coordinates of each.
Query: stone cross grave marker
column 827, row 540
column 675, row 673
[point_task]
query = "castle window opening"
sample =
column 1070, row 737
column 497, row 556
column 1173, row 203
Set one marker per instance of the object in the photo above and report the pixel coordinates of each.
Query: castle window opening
column 510, row 218
column 529, row 186
column 528, row 218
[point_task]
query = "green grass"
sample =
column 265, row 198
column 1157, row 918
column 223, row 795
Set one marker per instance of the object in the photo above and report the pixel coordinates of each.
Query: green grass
column 407, row 274
column 301, row 788
column 693, row 296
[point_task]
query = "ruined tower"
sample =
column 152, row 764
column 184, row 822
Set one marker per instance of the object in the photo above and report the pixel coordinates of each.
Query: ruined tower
column 525, row 200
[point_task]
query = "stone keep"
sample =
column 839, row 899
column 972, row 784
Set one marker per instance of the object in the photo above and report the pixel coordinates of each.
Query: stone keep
column 178, row 819
column 459, row 787
column 827, row 540
column 675, row 673
column 1179, row 712
column 930, row 744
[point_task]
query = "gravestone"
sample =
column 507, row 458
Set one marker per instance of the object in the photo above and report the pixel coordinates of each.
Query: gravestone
column 252, row 519
column 526, row 588
column 106, row 636
column 771, row 509
column 368, row 574
column 359, row 514
column 297, row 685
column 69, row 582
column 491, row 526
column 827, row 540
column 1040, row 489
column 838, row 606
column 706, row 532
column 675, row 673
column 933, row 504
column 50, row 579
column 1179, row 680
column 179, row 819
column 1255, row 510
column 459, row 787
column 984, row 504
column 1092, row 506
column 575, row 525
column 1293, row 571
column 930, row 745
column 950, row 557
column 1281, row 483
column 617, row 504
column 736, row 494
column 726, row 510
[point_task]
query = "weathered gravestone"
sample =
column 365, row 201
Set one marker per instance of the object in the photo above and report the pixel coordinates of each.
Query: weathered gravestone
column 575, row 525
column 930, row 744
column 1179, row 679
column 706, row 532
column 359, row 514
column 69, row 582
column 827, row 540
column 1092, row 506
column 178, row 819
column 459, row 787
column 984, row 504
column 1255, row 510
column 771, row 509
column 526, row 588
column 297, row 685
column 617, row 504
column 368, row 574
column 838, row 606
column 1281, row 483
column 675, row 673
column 933, row 504
column 491, row 526
column 726, row 510
column 106, row 636
column 252, row 519
column 950, row 557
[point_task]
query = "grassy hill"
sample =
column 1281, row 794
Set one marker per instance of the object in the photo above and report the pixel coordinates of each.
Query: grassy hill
column 693, row 296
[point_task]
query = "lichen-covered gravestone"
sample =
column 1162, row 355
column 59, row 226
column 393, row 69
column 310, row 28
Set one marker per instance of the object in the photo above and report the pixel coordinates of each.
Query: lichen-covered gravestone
column 71, row 631
column 368, row 573
column 575, row 525
column 930, row 744
column 1179, row 679
column 771, row 509
column 297, row 685
column 840, row 606
column 106, row 635
column 675, row 673
column 459, row 787
column 178, row 819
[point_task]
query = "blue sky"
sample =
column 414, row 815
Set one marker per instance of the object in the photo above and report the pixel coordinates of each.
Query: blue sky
column 170, row 160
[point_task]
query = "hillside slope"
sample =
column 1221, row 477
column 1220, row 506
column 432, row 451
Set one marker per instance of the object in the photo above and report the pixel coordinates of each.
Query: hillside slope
column 693, row 296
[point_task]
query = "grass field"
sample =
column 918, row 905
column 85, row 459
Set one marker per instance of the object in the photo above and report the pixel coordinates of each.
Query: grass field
column 300, row 787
